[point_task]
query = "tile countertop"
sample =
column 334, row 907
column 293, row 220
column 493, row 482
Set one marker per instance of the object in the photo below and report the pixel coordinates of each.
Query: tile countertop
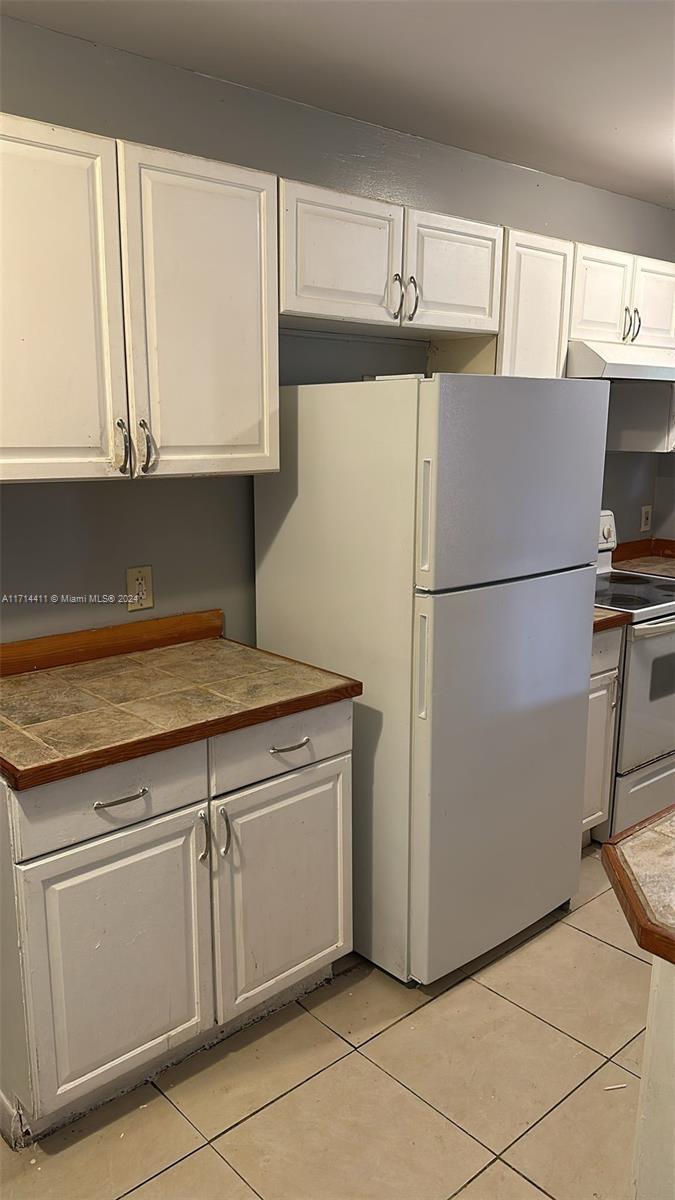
column 608, row 618
column 64, row 720
column 640, row 863
column 648, row 564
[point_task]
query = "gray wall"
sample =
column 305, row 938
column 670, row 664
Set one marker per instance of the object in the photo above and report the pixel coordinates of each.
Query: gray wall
column 630, row 482
column 198, row 534
column 664, row 497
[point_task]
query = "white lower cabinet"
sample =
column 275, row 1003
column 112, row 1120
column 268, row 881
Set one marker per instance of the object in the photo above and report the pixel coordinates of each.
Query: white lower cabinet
column 282, row 882
column 116, row 945
column 602, row 704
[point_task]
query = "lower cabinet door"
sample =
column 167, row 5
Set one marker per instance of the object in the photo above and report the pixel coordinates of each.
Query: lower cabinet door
column 116, row 945
column 283, row 896
column 599, row 748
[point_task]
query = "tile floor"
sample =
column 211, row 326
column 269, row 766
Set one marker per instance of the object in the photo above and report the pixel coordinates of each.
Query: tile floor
column 514, row 1079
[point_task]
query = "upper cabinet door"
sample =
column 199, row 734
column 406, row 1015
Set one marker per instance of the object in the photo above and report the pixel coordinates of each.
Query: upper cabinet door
column 200, row 266
column 602, row 294
column 61, row 334
column 340, row 255
column 654, row 298
column 536, row 305
column 452, row 273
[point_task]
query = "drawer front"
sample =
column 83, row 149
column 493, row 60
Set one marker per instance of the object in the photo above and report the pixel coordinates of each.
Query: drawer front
column 259, row 752
column 606, row 650
column 55, row 815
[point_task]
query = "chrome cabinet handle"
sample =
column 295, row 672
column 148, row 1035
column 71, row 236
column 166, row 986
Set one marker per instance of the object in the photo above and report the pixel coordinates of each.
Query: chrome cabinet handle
column 627, row 314
column 615, row 691
column 399, row 310
column 143, row 424
column 288, row 749
column 127, row 449
column 228, row 832
column 124, row 800
column 413, row 281
column 638, row 323
column 205, row 821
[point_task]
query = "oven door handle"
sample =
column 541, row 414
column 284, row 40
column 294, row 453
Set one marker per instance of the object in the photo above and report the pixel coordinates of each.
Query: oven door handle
column 652, row 629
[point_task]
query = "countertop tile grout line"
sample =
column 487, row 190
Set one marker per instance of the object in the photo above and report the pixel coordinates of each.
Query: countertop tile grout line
column 604, row 941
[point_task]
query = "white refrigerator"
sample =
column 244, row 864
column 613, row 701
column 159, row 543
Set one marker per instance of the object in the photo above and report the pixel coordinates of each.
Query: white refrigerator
column 437, row 539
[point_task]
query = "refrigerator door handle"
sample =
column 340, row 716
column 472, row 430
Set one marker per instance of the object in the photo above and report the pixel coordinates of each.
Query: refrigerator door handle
column 422, row 656
column 425, row 516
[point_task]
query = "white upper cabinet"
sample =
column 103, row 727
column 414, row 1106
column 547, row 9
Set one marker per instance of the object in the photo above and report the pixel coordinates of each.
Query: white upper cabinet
column 340, row 256
column 199, row 264
column 535, row 305
column 452, row 273
column 62, row 379
column 116, row 945
column 602, row 294
column 620, row 298
column 654, row 299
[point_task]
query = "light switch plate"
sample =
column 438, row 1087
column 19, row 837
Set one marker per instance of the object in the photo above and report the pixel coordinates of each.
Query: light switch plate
column 645, row 518
column 139, row 588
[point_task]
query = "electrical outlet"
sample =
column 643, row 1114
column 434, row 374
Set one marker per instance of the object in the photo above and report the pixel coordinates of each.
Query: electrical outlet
column 139, row 585
column 645, row 518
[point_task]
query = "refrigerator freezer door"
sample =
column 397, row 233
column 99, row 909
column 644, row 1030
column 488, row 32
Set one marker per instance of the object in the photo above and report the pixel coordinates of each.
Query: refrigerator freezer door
column 509, row 477
column 500, row 695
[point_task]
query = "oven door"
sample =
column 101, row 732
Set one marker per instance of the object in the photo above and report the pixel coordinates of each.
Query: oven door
column 647, row 728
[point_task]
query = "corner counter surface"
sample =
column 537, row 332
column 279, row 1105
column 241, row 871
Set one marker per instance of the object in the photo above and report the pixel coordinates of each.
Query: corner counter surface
column 63, row 720
column 609, row 618
column 640, row 864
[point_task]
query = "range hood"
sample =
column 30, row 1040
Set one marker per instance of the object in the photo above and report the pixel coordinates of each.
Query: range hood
column 614, row 360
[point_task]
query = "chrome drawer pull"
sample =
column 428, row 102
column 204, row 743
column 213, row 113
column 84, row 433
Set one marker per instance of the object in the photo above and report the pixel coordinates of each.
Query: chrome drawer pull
column 124, row 800
column 288, row 749
column 228, row 832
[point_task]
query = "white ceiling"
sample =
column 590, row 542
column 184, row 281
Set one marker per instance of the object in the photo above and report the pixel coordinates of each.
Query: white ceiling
column 579, row 88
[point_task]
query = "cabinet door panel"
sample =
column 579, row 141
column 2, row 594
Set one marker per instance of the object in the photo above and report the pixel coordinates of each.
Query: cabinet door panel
column 599, row 748
column 536, row 306
column 116, row 941
column 283, row 889
column 199, row 262
column 654, row 297
column 457, row 267
column 339, row 254
column 601, row 293
column 63, row 376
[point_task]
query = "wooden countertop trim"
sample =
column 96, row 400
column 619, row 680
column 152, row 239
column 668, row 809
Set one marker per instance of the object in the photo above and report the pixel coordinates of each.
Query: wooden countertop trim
column 649, row 547
column 61, row 649
column 647, row 932
column 608, row 618
column 20, row 779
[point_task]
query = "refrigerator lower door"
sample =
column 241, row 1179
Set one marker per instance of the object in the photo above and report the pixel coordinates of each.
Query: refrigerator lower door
column 643, row 793
column 509, row 478
column 500, row 705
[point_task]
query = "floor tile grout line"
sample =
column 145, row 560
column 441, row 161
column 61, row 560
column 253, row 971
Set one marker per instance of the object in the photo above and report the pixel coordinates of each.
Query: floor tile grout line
column 281, row 1096
column 522, row 1174
column 572, row 1037
column 606, row 943
column 607, row 1062
column 163, row 1171
column 473, row 1178
column 428, row 1104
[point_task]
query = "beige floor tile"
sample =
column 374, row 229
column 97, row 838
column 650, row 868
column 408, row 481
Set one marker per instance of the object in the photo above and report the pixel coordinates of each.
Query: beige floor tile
column 489, row 1066
column 631, row 1055
column 499, row 1182
column 352, row 1133
column 363, row 1002
column 218, row 1087
column 584, row 1148
column 518, row 939
column 582, row 986
column 604, row 919
column 102, row 1155
column 592, row 881
column 203, row 1176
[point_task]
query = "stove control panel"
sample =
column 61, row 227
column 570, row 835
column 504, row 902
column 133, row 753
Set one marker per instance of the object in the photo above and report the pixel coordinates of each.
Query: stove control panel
column 607, row 536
